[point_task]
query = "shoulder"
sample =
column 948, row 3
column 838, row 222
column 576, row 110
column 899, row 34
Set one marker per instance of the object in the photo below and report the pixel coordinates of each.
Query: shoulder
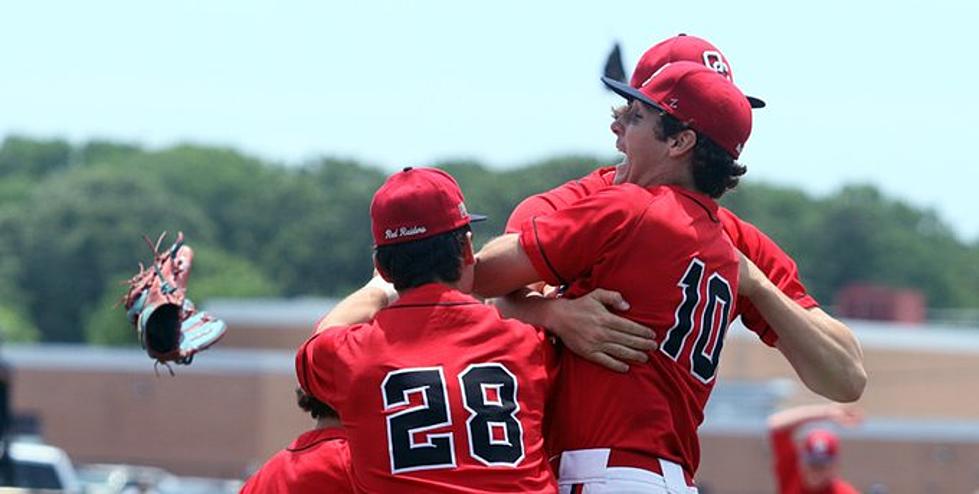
column 735, row 227
column 631, row 196
column 600, row 177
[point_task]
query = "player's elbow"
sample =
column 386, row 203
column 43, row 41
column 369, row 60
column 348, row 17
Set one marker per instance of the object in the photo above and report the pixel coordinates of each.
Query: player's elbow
column 848, row 387
column 855, row 385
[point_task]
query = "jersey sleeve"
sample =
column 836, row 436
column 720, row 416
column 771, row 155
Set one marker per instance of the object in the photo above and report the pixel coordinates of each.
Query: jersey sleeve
column 785, row 460
column 771, row 260
column 315, row 364
column 564, row 245
column 559, row 197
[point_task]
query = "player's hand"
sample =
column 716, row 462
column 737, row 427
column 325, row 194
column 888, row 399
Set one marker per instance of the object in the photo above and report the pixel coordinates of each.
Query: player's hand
column 847, row 415
column 589, row 329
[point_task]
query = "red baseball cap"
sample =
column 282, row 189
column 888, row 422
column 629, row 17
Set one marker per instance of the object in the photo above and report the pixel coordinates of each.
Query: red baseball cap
column 700, row 98
column 820, row 447
column 684, row 48
column 418, row 203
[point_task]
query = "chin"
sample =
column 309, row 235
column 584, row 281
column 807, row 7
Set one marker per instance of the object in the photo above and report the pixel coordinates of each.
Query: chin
column 622, row 171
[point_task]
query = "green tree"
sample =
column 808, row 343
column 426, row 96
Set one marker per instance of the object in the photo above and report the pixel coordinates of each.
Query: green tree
column 214, row 273
column 85, row 224
column 33, row 158
column 15, row 326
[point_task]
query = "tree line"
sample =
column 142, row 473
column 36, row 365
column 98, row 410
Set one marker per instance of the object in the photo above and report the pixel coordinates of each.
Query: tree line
column 72, row 218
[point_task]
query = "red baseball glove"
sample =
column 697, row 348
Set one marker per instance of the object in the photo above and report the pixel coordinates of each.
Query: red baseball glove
column 168, row 325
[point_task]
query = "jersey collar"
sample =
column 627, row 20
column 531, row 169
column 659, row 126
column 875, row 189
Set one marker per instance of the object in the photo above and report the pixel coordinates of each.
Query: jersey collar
column 313, row 437
column 703, row 200
column 432, row 294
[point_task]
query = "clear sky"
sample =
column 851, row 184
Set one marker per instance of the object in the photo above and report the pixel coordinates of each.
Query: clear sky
column 869, row 92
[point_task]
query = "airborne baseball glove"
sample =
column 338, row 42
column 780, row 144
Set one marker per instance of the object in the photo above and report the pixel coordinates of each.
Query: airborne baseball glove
column 168, row 325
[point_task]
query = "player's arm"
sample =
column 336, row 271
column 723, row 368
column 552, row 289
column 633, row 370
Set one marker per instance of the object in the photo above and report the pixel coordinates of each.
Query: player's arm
column 585, row 325
column 360, row 306
column 793, row 418
column 822, row 350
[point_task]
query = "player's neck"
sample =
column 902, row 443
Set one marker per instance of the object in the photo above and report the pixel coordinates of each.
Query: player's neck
column 455, row 285
column 678, row 173
column 324, row 422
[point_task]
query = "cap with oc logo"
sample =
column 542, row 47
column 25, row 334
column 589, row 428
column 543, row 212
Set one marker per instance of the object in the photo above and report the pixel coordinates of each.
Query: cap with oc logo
column 684, row 48
column 700, row 98
column 418, row 203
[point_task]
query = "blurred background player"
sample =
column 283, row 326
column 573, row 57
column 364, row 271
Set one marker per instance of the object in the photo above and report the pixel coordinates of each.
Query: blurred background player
column 317, row 461
column 809, row 463
column 822, row 350
column 438, row 393
column 656, row 239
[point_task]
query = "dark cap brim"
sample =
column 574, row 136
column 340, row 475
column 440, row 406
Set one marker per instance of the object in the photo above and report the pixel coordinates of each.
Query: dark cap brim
column 756, row 102
column 628, row 92
column 818, row 459
column 476, row 218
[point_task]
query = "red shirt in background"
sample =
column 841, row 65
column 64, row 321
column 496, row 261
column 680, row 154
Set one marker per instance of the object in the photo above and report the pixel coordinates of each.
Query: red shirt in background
column 317, row 461
column 787, row 467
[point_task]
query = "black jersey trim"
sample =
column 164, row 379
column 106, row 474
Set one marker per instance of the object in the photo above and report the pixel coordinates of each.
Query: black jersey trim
column 544, row 255
column 431, row 304
column 696, row 199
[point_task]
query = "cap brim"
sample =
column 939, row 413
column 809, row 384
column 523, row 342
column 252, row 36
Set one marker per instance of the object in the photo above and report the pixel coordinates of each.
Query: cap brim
column 756, row 102
column 818, row 459
column 476, row 218
column 628, row 92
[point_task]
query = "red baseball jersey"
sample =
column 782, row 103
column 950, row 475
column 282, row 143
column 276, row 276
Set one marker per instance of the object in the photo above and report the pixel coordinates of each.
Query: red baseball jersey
column 317, row 461
column 787, row 467
column 438, row 394
column 766, row 254
column 664, row 249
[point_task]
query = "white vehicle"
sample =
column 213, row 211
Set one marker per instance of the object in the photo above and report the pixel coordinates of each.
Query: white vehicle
column 38, row 466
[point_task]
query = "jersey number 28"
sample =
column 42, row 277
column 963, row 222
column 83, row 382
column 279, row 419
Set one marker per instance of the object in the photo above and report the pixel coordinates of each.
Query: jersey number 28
column 489, row 394
column 711, row 327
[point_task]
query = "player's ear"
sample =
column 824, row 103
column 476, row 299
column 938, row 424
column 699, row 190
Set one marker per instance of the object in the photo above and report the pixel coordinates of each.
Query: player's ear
column 468, row 256
column 378, row 270
column 682, row 142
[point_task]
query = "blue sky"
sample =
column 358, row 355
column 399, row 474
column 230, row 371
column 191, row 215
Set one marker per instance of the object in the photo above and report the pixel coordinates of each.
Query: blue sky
column 867, row 92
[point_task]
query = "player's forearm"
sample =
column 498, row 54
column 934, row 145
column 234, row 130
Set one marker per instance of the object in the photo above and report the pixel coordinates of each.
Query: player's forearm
column 822, row 350
column 502, row 267
column 358, row 307
column 525, row 305
column 798, row 416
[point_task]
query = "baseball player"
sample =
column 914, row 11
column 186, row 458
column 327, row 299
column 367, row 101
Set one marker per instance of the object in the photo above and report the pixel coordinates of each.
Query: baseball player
column 317, row 461
column 811, row 466
column 438, row 393
column 657, row 239
column 781, row 312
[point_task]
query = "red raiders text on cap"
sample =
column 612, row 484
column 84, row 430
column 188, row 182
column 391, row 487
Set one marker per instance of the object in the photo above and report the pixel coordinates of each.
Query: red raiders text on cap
column 417, row 203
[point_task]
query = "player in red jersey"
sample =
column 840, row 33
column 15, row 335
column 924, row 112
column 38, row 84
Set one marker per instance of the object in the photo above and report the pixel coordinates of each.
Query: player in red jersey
column 657, row 239
column 317, row 461
column 438, row 393
column 810, row 467
column 821, row 348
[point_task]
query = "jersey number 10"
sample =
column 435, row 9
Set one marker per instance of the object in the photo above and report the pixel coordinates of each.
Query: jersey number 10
column 712, row 325
column 489, row 394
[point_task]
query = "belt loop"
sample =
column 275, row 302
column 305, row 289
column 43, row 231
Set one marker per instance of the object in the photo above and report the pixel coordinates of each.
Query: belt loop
column 673, row 475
